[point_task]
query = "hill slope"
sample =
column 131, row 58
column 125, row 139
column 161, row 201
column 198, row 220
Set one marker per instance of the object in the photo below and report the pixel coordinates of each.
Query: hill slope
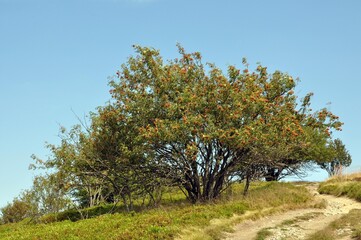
column 171, row 220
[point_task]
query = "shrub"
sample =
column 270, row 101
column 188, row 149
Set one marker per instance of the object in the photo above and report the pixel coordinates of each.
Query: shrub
column 15, row 211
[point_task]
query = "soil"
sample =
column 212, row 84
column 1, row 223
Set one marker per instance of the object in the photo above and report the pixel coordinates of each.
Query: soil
column 301, row 222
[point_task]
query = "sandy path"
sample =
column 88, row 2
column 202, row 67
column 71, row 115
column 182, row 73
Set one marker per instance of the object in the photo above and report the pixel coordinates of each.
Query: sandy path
column 336, row 207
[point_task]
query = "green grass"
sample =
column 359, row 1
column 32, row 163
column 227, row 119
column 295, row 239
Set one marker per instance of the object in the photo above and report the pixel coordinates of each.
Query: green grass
column 170, row 220
column 349, row 189
column 347, row 185
column 263, row 234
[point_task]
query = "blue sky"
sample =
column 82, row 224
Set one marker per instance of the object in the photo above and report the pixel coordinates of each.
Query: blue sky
column 56, row 57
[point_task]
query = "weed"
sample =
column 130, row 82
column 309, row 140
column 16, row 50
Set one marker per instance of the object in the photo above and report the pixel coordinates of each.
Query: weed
column 289, row 222
column 322, row 235
column 263, row 234
column 357, row 233
column 320, row 204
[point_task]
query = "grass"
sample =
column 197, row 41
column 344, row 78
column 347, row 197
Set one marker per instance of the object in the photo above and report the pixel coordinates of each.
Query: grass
column 301, row 218
column 344, row 185
column 307, row 216
column 348, row 224
column 322, row 235
column 263, row 234
column 266, row 232
column 280, row 197
column 171, row 220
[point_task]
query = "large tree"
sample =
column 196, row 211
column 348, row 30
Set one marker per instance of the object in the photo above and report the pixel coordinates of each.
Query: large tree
column 190, row 125
column 203, row 127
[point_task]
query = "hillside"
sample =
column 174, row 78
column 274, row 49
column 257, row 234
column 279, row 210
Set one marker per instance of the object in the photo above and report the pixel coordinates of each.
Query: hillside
column 290, row 211
column 337, row 217
column 300, row 223
column 173, row 218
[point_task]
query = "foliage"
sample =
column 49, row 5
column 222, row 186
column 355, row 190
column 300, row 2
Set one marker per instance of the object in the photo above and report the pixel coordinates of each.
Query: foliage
column 76, row 215
column 186, row 124
column 45, row 196
column 15, row 211
column 97, row 165
column 339, row 158
column 48, row 194
column 205, row 129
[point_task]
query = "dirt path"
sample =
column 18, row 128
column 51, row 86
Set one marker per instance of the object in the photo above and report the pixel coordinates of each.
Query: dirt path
column 296, row 224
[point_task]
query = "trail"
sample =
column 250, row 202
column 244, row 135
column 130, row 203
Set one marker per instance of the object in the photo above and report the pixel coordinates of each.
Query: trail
column 300, row 223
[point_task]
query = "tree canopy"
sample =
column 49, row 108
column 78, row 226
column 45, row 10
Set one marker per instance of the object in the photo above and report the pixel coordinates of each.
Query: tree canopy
column 339, row 158
column 191, row 125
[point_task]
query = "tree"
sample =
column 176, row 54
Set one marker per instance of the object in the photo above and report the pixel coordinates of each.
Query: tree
column 293, row 157
column 15, row 211
column 102, row 163
column 206, row 129
column 186, row 124
column 117, row 155
column 339, row 159
column 46, row 195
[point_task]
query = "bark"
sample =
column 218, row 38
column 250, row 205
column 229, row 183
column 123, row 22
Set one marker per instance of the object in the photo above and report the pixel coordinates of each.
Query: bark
column 246, row 187
column 273, row 174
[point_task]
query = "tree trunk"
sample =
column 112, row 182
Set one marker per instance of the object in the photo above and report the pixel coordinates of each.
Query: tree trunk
column 246, row 187
column 272, row 174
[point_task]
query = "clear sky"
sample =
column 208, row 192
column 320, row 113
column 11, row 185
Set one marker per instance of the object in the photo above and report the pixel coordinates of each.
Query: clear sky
column 56, row 57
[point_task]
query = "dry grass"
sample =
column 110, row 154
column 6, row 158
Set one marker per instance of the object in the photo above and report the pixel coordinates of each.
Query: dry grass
column 344, row 185
column 280, row 197
column 346, row 177
column 347, row 225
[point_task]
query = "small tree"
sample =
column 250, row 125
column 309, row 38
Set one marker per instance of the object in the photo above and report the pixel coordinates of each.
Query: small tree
column 15, row 211
column 339, row 159
column 104, row 163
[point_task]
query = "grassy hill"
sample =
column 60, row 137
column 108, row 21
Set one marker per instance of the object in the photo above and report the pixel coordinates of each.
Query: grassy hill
column 344, row 185
column 173, row 218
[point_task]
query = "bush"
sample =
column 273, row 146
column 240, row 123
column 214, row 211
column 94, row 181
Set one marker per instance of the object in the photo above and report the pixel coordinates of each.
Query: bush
column 351, row 189
column 76, row 215
column 15, row 211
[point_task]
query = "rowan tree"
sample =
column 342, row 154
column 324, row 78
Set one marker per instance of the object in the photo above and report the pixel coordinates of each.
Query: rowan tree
column 204, row 127
column 189, row 124
column 295, row 157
